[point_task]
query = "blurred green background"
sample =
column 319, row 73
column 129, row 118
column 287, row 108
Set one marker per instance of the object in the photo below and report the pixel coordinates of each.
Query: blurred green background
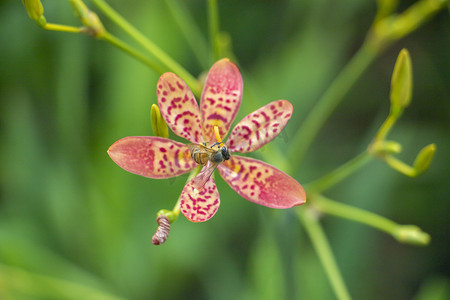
column 73, row 225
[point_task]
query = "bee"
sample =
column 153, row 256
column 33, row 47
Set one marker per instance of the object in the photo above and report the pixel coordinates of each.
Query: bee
column 209, row 157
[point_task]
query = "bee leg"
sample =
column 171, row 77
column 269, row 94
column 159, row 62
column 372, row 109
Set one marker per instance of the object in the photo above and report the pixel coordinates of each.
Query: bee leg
column 215, row 144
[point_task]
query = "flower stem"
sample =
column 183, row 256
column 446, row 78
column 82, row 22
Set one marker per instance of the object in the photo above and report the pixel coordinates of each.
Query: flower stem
column 163, row 57
column 106, row 36
column 328, row 102
column 409, row 234
column 386, row 127
column 64, row 28
column 323, row 249
column 213, row 20
column 193, row 35
column 345, row 211
column 340, row 173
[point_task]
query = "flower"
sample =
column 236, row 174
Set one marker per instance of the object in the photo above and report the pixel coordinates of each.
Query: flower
column 254, row 180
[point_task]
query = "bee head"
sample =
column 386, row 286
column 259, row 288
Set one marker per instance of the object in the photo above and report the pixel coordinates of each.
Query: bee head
column 226, row 155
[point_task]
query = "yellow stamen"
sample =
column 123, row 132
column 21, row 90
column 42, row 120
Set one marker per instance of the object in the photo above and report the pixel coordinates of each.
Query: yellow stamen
column 216, row 133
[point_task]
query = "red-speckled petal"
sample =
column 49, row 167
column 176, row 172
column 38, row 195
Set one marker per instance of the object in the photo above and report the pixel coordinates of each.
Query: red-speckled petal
column 200, row 206
column 260, row 127
column 261, row 183
column 153, row 157
column 179, row 108
column 221, row 98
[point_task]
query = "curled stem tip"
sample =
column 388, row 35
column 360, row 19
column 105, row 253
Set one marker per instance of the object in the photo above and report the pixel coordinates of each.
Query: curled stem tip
column 162, row 233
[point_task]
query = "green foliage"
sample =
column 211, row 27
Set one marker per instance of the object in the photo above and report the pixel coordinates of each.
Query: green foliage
column 73, row 225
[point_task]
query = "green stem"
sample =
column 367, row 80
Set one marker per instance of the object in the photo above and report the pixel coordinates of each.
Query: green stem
column 176, row 208
column 328, row 102
column 400, row 166
column 323, row 249
column 340, row 173
column 106, row 36
column 193, row 35
column 386, row 127
column 163, row 57
column 213, row 20
column 63, row 28
column 331, row 207
column 43, row 286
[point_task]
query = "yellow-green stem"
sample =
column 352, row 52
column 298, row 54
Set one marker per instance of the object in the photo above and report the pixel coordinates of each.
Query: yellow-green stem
column 63, row 28
column 331, row 207
column 192, row 34
column 106, row 36
column 339, row 174
column 323, row 249
column 328, row 102
column 153, row 49
column 213, row 20
column 386, row 127
column 400, row 166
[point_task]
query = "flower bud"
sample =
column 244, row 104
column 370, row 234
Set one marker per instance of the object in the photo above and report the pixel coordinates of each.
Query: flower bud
column 35, row 11
column 401, row 83
column 424, row 158
column 159, row 126
column 411, row 234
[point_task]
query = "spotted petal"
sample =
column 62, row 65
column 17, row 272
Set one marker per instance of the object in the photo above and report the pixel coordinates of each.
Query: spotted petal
column 260, row 127
column 221, row 98
column 150, row 156
column 179, row 107
column 261, row 183
column 199, row 206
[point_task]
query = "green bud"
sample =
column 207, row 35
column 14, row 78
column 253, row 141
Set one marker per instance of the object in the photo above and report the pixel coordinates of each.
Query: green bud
column 34, row 8
column 424, row 158
column 35, row 11
column 89, row 19
column 159, row 126
column 411, row 234
column 401, row 83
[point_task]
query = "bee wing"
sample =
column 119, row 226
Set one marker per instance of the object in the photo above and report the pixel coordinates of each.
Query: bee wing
column 199, row 148
column 200, row 180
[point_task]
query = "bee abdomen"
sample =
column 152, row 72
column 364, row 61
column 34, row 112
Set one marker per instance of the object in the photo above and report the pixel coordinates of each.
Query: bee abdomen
column 200, row 158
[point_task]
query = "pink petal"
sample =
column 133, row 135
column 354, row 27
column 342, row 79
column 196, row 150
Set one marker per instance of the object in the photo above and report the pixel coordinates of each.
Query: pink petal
column 200, row 206
column 153, row 157
column 260, row 127
column 221, row 98
column 261, row 183
column 178, row 107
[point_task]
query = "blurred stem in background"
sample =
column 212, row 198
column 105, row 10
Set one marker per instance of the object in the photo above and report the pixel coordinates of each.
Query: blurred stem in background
column 386, row 29
column 153, row 49
column 213, row 21
column 408, row 234
column 323, row 249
